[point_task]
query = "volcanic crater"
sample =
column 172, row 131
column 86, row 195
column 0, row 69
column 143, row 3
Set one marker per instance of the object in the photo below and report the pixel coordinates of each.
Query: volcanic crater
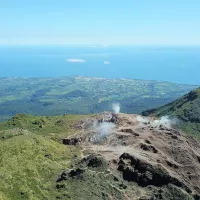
column 140, row 150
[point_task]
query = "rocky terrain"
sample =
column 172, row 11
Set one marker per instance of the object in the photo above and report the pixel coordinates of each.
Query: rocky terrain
column 138, row 158
column 109, row 156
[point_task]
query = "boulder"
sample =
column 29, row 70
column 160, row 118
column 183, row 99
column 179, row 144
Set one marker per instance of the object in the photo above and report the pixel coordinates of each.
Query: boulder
column 145, row 174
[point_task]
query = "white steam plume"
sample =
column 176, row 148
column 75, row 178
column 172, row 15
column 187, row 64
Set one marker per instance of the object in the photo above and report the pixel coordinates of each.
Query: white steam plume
column 142, row 119
column 165, row 121
column 103, row 130
column 116, row 107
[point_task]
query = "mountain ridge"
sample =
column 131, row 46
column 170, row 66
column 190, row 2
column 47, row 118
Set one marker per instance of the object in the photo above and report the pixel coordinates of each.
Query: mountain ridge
column 186, row 108
column 100, row 156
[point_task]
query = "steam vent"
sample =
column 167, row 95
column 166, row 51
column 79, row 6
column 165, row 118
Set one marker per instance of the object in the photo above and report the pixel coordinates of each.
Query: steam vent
column 143, row 152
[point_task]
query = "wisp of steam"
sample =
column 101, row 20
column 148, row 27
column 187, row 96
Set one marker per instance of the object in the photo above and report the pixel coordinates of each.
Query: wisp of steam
column 103, row 129
column 165, row 121
column 116, row 108
column 142, row 119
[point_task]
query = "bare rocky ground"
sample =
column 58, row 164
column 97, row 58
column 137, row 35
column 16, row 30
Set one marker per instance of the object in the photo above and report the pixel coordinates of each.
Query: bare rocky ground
column 151, row 155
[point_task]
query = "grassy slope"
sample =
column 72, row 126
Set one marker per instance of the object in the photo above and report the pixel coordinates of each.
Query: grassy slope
column 30, row 159
column 57, row 126
column 29, row 166
column 187, row 108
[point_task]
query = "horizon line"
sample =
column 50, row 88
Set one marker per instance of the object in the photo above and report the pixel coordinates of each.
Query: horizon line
column 99, row 45
column 96, row 77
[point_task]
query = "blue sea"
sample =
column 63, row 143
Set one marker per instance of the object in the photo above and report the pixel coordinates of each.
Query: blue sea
column 180, row 64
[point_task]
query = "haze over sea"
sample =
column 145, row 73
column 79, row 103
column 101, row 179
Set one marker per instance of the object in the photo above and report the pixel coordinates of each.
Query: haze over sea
column 179, row 64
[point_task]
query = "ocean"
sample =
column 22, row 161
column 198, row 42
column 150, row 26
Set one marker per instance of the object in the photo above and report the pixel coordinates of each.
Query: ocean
column 180, row 64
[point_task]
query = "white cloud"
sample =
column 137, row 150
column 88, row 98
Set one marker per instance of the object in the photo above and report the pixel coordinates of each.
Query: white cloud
column 74, row 60
column 106, row 63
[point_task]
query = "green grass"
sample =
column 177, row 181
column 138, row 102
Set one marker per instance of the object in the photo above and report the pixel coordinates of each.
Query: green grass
column 30, row 157
column 56, row 126
column 29, row 166
column 192, row 129
column 31, row 161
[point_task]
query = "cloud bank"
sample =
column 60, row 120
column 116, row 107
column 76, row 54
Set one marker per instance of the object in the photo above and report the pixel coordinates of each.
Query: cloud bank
column 74, row 60
column 106, row 63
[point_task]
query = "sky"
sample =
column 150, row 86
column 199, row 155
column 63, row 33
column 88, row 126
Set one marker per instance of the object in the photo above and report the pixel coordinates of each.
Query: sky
column 104, row 22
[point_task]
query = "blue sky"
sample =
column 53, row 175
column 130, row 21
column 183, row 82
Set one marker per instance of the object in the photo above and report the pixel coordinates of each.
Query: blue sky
column 139, row 22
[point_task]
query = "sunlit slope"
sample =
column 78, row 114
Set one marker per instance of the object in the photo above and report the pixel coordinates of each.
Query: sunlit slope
column 32, row 157
column 186, row 108
column 33, row 160
column 35, row 164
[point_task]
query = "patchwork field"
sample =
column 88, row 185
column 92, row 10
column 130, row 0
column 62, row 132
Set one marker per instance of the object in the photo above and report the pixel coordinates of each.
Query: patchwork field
column 81, row 95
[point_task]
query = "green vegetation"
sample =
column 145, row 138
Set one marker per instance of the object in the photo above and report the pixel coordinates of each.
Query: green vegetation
column 186, row 108
column 29, row 166
column 54, row 127
column 32, row 162
column 31, row 159
column 35, row 165
column 80, row 95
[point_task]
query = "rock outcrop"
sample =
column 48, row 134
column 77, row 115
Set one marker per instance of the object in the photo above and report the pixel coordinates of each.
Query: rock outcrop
column 153, row 156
